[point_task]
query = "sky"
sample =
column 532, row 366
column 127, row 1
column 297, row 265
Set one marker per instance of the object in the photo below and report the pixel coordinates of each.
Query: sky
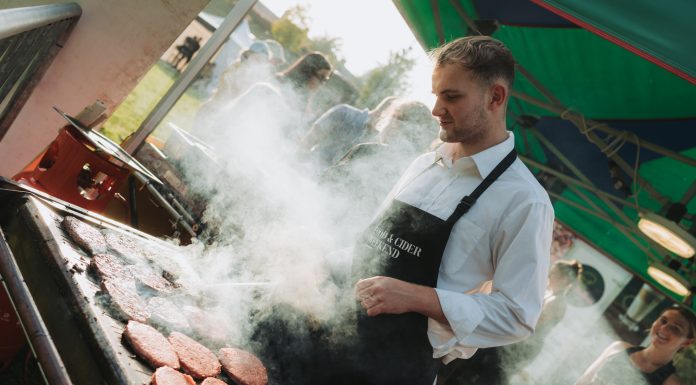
column 369, row 30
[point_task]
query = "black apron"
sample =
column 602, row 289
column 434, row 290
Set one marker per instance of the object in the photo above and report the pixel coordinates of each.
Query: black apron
column 406, row 243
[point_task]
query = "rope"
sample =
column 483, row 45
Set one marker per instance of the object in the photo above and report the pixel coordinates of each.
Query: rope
column 616, row 141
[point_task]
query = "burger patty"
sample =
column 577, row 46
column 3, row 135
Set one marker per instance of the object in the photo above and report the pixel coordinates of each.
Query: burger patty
column 168, row 376
column 125, row 246
column 150, row 345
column 86, row 236
column 162, row 259
column 150, row 279
column 166, row 314
column 195, row 359
column 124, row 300
column 106, row 266
column 208, row 325
column 213, row 381
column 243, row 367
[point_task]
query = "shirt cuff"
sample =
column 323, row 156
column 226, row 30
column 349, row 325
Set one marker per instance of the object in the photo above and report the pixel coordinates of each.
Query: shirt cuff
column 462, row 312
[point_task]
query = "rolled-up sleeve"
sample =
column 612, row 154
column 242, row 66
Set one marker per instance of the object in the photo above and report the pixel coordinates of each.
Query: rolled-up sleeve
column 520, row 257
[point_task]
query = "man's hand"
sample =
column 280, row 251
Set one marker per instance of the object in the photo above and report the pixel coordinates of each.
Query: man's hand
column 384, row 295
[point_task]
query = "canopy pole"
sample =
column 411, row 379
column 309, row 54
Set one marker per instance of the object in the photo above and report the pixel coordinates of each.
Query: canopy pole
column 571, row 180
column 571, row 115
column 620, row 226
column 181, row 84
column 465, row 16
column 625, row 219
column 438, row 21
column 629, row 230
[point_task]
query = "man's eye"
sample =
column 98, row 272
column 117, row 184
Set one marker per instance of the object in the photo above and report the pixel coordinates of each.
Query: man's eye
column 451, row 97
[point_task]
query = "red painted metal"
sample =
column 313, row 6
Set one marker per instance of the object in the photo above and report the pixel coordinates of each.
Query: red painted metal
column 72, row 170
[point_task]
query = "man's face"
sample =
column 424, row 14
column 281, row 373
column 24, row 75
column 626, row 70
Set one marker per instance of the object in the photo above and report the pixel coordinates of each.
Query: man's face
column 460, row 104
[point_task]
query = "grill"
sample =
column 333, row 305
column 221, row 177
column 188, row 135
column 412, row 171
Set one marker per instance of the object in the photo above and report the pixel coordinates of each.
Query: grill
column 85, row 335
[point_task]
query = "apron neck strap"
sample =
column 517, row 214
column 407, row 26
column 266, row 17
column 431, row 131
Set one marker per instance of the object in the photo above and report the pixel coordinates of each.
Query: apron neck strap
column 469, row 200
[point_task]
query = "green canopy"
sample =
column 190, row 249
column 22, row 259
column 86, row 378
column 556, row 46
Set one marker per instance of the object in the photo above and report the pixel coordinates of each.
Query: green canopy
column 627, row 65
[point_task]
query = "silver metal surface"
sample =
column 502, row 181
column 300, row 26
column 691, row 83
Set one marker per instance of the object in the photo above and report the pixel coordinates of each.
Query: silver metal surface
column 44, row 349
column 18, row 20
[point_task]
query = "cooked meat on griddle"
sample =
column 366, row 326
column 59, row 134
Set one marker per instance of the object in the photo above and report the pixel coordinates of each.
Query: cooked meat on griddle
column 124, row 300
column 150, row 279
column 125, row 246
column 213, row 381
column 106, row 266
column 195, row 359
column 162, row 259
column 209, row 325
column 166, row 314
column 168, row 376
column 88, row 237
column 150, row 345
column 243, row 367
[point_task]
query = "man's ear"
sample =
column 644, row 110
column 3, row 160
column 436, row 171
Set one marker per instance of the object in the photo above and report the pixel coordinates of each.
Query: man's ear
column 498, row 95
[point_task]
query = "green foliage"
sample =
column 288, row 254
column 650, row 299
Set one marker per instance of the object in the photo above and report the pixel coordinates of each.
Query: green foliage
column 291, row 29
column 144, row 97
column 329, row 46
column 386, row 80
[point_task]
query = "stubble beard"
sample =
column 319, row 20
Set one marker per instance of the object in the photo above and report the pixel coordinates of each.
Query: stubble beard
column 473, row 133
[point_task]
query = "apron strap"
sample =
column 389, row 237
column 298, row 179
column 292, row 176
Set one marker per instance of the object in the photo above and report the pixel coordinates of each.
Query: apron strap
column 469, row 200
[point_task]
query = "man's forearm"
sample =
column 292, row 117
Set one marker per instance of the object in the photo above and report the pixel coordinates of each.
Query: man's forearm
column 426, row 302
column 385, row 295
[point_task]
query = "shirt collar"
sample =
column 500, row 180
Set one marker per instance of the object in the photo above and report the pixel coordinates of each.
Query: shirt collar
column 484, row 162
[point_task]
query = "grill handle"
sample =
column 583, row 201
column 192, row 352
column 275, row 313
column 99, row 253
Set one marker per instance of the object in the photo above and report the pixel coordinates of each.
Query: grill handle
column 40, row 341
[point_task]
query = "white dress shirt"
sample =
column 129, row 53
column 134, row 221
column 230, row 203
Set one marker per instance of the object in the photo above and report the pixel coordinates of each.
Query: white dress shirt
column 494, row 268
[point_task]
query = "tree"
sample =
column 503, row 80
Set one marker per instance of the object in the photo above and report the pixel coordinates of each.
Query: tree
column 386, row 80
column 291, row 29
column 329, row 46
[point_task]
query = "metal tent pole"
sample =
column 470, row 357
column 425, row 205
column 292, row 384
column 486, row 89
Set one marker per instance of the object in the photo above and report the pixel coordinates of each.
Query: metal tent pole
column 42, row 345
column 575, row 116
column 180, row 86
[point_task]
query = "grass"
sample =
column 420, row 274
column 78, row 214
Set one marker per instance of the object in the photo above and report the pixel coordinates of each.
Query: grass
column 144, row 97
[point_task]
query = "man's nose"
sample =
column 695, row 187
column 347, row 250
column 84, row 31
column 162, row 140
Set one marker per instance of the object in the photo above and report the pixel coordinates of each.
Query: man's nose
column 437, row 110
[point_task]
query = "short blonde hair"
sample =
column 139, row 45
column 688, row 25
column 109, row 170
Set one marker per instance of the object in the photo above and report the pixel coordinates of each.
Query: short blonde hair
column 487, row 58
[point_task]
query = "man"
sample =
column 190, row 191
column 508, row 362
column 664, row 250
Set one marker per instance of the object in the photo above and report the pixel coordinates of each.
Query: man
column 458, row 259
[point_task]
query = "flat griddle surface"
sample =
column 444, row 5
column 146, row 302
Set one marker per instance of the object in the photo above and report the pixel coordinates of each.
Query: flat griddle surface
column 65, row 264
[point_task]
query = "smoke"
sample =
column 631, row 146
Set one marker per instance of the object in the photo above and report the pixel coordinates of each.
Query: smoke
column 274, row 260
column 268, row 222
column 564, row 354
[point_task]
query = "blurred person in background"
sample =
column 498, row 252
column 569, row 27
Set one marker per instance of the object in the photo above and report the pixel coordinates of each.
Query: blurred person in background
column 277, row 53
column 274, row 107
column 363, row 176
column 186, row 51
column 339, row 129
column 252, row 66
column 299, row 82
column 622, row 363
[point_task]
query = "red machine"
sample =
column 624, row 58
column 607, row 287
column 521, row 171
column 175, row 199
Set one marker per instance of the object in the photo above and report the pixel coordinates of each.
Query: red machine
column 73, row 170
column 81, row 166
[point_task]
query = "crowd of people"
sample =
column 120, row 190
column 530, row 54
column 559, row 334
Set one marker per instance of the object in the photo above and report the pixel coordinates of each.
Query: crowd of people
column 447, row 291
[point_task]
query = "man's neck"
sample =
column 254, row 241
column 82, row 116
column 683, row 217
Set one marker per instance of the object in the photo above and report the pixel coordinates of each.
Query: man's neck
column 459, row 150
